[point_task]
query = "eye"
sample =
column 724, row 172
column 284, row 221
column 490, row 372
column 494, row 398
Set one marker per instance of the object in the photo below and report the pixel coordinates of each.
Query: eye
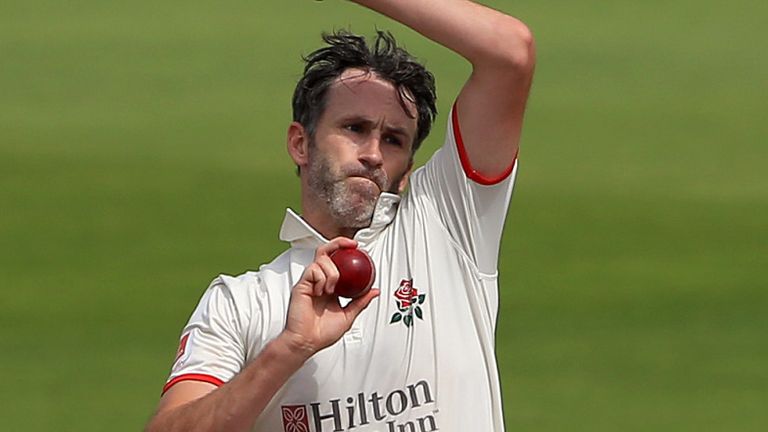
column 391, row 139
column 354, row 127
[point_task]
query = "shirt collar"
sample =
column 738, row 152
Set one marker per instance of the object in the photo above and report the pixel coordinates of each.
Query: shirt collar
column 302, row 235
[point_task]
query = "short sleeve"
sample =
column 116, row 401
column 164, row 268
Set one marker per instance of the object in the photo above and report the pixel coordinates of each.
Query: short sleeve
column 471, row 207
column 212, row 346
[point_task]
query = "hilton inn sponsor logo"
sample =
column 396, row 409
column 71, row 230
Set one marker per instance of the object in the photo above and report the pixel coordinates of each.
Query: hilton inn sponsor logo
column 389, row 411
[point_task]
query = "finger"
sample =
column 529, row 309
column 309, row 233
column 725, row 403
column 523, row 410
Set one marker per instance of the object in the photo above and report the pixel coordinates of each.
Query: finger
column 335, row 244
column 313, row 279
column 353, row 309
column 330, row 272
column 320, row 280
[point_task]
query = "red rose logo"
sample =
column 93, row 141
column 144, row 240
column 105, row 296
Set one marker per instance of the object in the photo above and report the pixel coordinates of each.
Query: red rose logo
column 408, row 302
column 406, row 294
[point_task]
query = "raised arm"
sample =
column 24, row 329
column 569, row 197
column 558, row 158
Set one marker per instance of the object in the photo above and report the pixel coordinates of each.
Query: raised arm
column 501, row 50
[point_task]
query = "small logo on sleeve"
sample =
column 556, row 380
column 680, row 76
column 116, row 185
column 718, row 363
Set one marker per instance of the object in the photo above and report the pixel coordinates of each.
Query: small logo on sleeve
column 295, row 418
column 408, row 301
column 182, row 347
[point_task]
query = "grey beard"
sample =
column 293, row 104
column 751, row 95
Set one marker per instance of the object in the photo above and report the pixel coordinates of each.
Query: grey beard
column 348, row 207
column 347, row 215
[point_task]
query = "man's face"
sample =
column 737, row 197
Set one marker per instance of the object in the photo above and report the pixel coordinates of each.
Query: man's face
column 362, row 147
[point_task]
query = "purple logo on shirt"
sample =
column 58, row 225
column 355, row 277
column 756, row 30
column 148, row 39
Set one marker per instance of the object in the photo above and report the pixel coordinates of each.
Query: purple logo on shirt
column 408, row 301
column 295, row 418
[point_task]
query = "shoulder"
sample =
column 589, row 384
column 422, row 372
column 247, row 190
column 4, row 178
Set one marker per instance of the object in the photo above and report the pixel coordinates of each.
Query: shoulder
column 254, row 280
column 250, row 288
column 238, row 287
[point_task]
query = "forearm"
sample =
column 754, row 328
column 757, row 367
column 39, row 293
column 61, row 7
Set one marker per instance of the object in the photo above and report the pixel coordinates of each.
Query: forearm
column 236, row 405
column 483, row 36
column 501, row 50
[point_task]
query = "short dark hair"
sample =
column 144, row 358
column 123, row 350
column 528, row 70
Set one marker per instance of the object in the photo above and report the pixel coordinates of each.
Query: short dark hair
column 390, row 62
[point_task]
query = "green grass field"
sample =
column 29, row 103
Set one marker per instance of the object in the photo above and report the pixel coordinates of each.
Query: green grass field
column 142, row 153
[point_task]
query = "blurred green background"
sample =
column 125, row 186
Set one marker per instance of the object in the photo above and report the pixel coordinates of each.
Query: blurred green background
column 142, row 153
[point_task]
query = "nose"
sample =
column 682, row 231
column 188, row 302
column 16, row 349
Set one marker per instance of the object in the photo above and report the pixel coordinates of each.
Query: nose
column 370, row 152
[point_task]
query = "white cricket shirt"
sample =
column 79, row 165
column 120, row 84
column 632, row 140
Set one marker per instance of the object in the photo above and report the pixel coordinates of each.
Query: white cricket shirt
column 421, row 356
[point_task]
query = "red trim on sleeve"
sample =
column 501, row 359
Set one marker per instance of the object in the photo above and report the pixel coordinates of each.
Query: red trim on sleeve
column 193, row 377
column 470, row 172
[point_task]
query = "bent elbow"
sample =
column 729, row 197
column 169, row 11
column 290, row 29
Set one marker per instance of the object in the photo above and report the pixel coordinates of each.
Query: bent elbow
column 511, row 46
column 520, row 47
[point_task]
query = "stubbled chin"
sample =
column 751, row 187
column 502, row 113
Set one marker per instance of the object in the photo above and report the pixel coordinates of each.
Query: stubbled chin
column 353, row 210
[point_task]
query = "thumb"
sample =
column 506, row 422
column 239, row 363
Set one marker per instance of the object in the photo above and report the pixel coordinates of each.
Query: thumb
column 353, row 309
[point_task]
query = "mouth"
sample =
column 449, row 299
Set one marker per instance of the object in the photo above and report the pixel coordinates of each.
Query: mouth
column 366, row 179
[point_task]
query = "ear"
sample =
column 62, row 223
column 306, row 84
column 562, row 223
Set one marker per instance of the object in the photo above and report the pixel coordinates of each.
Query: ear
column 298, row 144
column 404, row 180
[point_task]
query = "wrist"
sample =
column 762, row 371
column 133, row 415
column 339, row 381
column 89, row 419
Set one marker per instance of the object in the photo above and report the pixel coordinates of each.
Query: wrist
column 293, row 346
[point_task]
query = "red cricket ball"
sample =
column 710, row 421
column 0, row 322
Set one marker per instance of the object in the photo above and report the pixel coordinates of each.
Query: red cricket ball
column 356, row 272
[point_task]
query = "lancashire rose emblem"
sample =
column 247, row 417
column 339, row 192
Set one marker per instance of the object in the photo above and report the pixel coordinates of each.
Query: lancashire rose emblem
column 408, row 302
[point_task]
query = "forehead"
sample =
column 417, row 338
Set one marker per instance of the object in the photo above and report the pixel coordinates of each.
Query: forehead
column 366, row 94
